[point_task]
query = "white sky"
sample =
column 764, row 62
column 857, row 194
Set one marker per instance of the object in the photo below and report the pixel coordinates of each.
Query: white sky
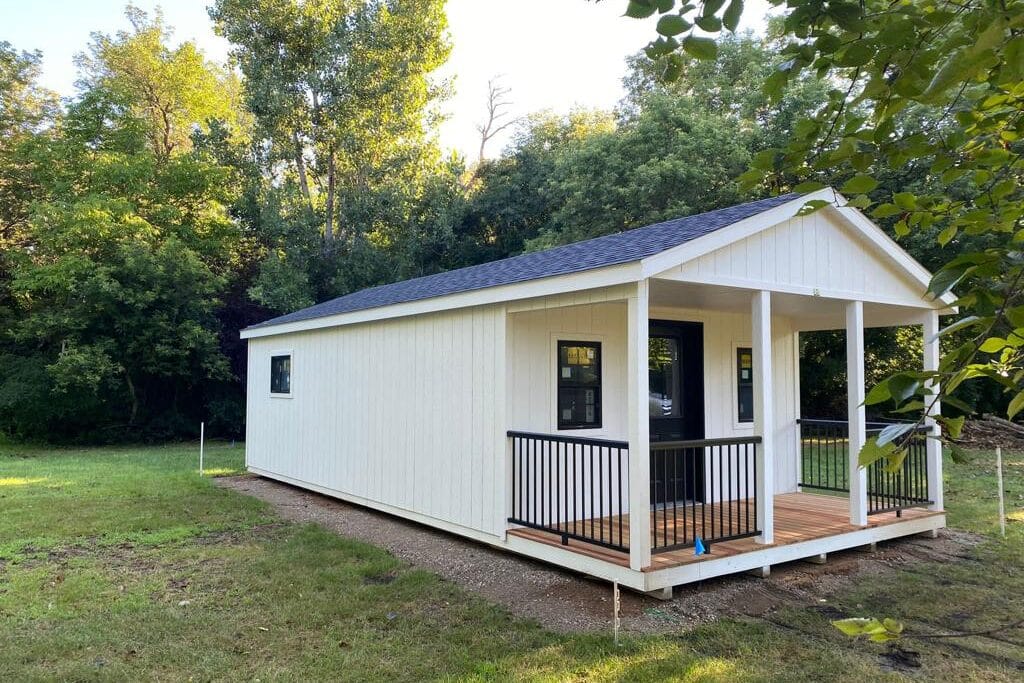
column 553, row 54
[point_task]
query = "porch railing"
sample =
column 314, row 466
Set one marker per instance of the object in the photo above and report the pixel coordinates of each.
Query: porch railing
column 824, row 466
column 703, row 489
column 575, row 487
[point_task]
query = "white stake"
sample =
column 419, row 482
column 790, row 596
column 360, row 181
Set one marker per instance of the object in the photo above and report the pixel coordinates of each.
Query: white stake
column 999, row 482
column 202, row 440
column 615, row 606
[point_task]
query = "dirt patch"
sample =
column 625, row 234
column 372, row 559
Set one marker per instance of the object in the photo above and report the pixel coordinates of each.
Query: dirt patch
column 566, row 601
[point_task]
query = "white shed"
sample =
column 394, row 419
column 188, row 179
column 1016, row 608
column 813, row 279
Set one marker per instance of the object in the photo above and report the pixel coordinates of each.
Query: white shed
column 611, row 405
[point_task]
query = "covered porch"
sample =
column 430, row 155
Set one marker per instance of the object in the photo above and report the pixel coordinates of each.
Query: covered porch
column 751, row 493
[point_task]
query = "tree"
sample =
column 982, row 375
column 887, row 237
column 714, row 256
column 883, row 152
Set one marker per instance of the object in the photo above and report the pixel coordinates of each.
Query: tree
column 672, row 159
column 341, row 89
column 115, row 278
column 173, row 91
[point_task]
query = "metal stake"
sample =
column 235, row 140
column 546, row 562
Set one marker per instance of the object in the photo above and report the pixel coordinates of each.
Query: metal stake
column 999, row 483
column 615, row 606
column 202, row 443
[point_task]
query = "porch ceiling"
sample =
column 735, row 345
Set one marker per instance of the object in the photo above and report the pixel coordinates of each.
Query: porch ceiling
column 808, row 313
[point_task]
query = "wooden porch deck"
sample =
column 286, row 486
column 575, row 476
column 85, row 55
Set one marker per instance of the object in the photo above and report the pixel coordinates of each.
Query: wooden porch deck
column 798, row 517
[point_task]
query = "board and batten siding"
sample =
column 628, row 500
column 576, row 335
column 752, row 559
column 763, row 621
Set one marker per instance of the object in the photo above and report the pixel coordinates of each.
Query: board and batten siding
column 532, row 371
column 407, row 413
column 814, row 255
column 724, row 332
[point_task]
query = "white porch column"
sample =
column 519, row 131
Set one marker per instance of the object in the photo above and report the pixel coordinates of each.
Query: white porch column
column 934, row 447
column 639, row 431
column 855, row 411
column 764, row 413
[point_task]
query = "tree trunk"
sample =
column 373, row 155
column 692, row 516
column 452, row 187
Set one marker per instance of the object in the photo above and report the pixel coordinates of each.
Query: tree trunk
column 329, row 225
column 134, row 396
column 300, row 167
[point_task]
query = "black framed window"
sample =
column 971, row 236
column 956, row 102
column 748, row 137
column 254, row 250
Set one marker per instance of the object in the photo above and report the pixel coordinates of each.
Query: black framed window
column 280, row 374
column 744, row 385
column 579, row 385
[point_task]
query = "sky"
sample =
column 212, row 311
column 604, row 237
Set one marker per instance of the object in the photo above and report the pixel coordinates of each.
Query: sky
column 551, row 54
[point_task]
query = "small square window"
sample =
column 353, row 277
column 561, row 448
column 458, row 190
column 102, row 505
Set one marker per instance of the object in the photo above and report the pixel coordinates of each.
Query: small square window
column 280, row 374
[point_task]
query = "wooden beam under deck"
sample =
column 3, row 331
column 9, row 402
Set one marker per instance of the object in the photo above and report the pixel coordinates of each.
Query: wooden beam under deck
column 799, row 517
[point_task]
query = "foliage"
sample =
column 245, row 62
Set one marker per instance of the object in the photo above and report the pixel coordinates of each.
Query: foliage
column 173, row 91
column 962, row 66
column 115, row 283
column 341, row 90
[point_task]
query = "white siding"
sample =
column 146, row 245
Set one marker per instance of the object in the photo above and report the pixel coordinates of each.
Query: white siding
column 533, row 335
column 408, row 413
column 532, row 373
column 815, row 255
column 723, row 333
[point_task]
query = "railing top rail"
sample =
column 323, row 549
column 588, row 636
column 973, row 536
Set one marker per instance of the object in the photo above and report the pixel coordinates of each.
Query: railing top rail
column 581, row 440
column 869, row 424
column 701, row 443
column 817, row 421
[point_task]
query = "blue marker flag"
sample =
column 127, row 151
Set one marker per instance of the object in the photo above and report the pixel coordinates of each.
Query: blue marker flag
column 698, row 547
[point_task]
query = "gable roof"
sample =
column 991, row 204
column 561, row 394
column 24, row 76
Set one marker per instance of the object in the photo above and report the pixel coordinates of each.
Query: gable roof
column 610, row 250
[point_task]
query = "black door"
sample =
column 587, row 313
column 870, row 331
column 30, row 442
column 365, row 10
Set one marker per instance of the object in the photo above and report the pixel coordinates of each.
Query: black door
column 676, row 407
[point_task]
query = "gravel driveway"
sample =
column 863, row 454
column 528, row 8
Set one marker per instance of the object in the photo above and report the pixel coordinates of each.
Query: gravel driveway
column 566, row 601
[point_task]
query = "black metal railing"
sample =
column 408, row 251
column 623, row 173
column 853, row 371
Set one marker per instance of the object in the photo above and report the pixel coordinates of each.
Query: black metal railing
column 575, row 487
column 824, row 465
column 703, row 489
column 905, row 488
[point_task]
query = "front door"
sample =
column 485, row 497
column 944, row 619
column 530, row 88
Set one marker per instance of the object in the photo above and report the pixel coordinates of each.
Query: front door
column 676, row 408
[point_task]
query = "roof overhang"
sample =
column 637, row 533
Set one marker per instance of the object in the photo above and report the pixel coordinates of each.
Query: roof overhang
column 633, row 271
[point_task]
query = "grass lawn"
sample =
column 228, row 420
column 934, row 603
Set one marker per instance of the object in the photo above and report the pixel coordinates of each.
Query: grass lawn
column 121, row 563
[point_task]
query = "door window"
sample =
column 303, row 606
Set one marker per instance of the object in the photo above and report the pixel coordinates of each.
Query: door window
column 663, row 377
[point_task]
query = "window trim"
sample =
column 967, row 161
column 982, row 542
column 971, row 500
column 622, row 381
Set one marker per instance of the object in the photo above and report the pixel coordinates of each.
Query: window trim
column 291, row 379
column 736, row 423
column 569, row 338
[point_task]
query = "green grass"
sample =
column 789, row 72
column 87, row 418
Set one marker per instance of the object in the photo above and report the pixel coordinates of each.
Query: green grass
column 121, row 563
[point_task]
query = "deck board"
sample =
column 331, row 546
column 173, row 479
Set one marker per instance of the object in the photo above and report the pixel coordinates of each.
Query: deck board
column 798, row 517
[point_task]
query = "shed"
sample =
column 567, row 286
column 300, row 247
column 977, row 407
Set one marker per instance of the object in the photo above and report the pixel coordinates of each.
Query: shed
column 607, row 404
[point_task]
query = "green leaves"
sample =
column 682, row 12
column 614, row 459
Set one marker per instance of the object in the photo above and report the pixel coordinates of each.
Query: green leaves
column 1016, row 404
column 701, row 48
column 640, row 9
column 672, row 25
column 874, row 630
column 859, row 184
column 732, row 14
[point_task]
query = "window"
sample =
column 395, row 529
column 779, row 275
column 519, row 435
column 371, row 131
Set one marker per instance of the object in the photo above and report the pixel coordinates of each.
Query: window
column 744, row 385
column 280, row 374
column 579, row 385
column 662, row 379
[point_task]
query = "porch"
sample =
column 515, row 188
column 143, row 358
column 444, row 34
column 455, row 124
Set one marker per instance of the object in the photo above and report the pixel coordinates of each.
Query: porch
column 573, row 494
column 799, row 518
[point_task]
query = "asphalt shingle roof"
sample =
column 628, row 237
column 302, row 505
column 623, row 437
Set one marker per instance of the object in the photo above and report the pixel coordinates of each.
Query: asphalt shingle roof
column 599, row 252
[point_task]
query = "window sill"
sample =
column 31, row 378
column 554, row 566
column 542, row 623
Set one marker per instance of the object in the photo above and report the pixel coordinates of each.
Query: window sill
column 272, row 395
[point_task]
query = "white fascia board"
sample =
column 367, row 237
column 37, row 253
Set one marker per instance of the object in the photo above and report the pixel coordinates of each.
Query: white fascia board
column 740, row 230
column 571, row 282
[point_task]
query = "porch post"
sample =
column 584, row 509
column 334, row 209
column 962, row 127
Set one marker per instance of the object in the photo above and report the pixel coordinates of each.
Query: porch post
column 855, row 411
column 764, row 413
column 934, row 446
column 639, row 430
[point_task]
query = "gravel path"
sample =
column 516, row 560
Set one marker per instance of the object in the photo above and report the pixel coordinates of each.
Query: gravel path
column 566, row 601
